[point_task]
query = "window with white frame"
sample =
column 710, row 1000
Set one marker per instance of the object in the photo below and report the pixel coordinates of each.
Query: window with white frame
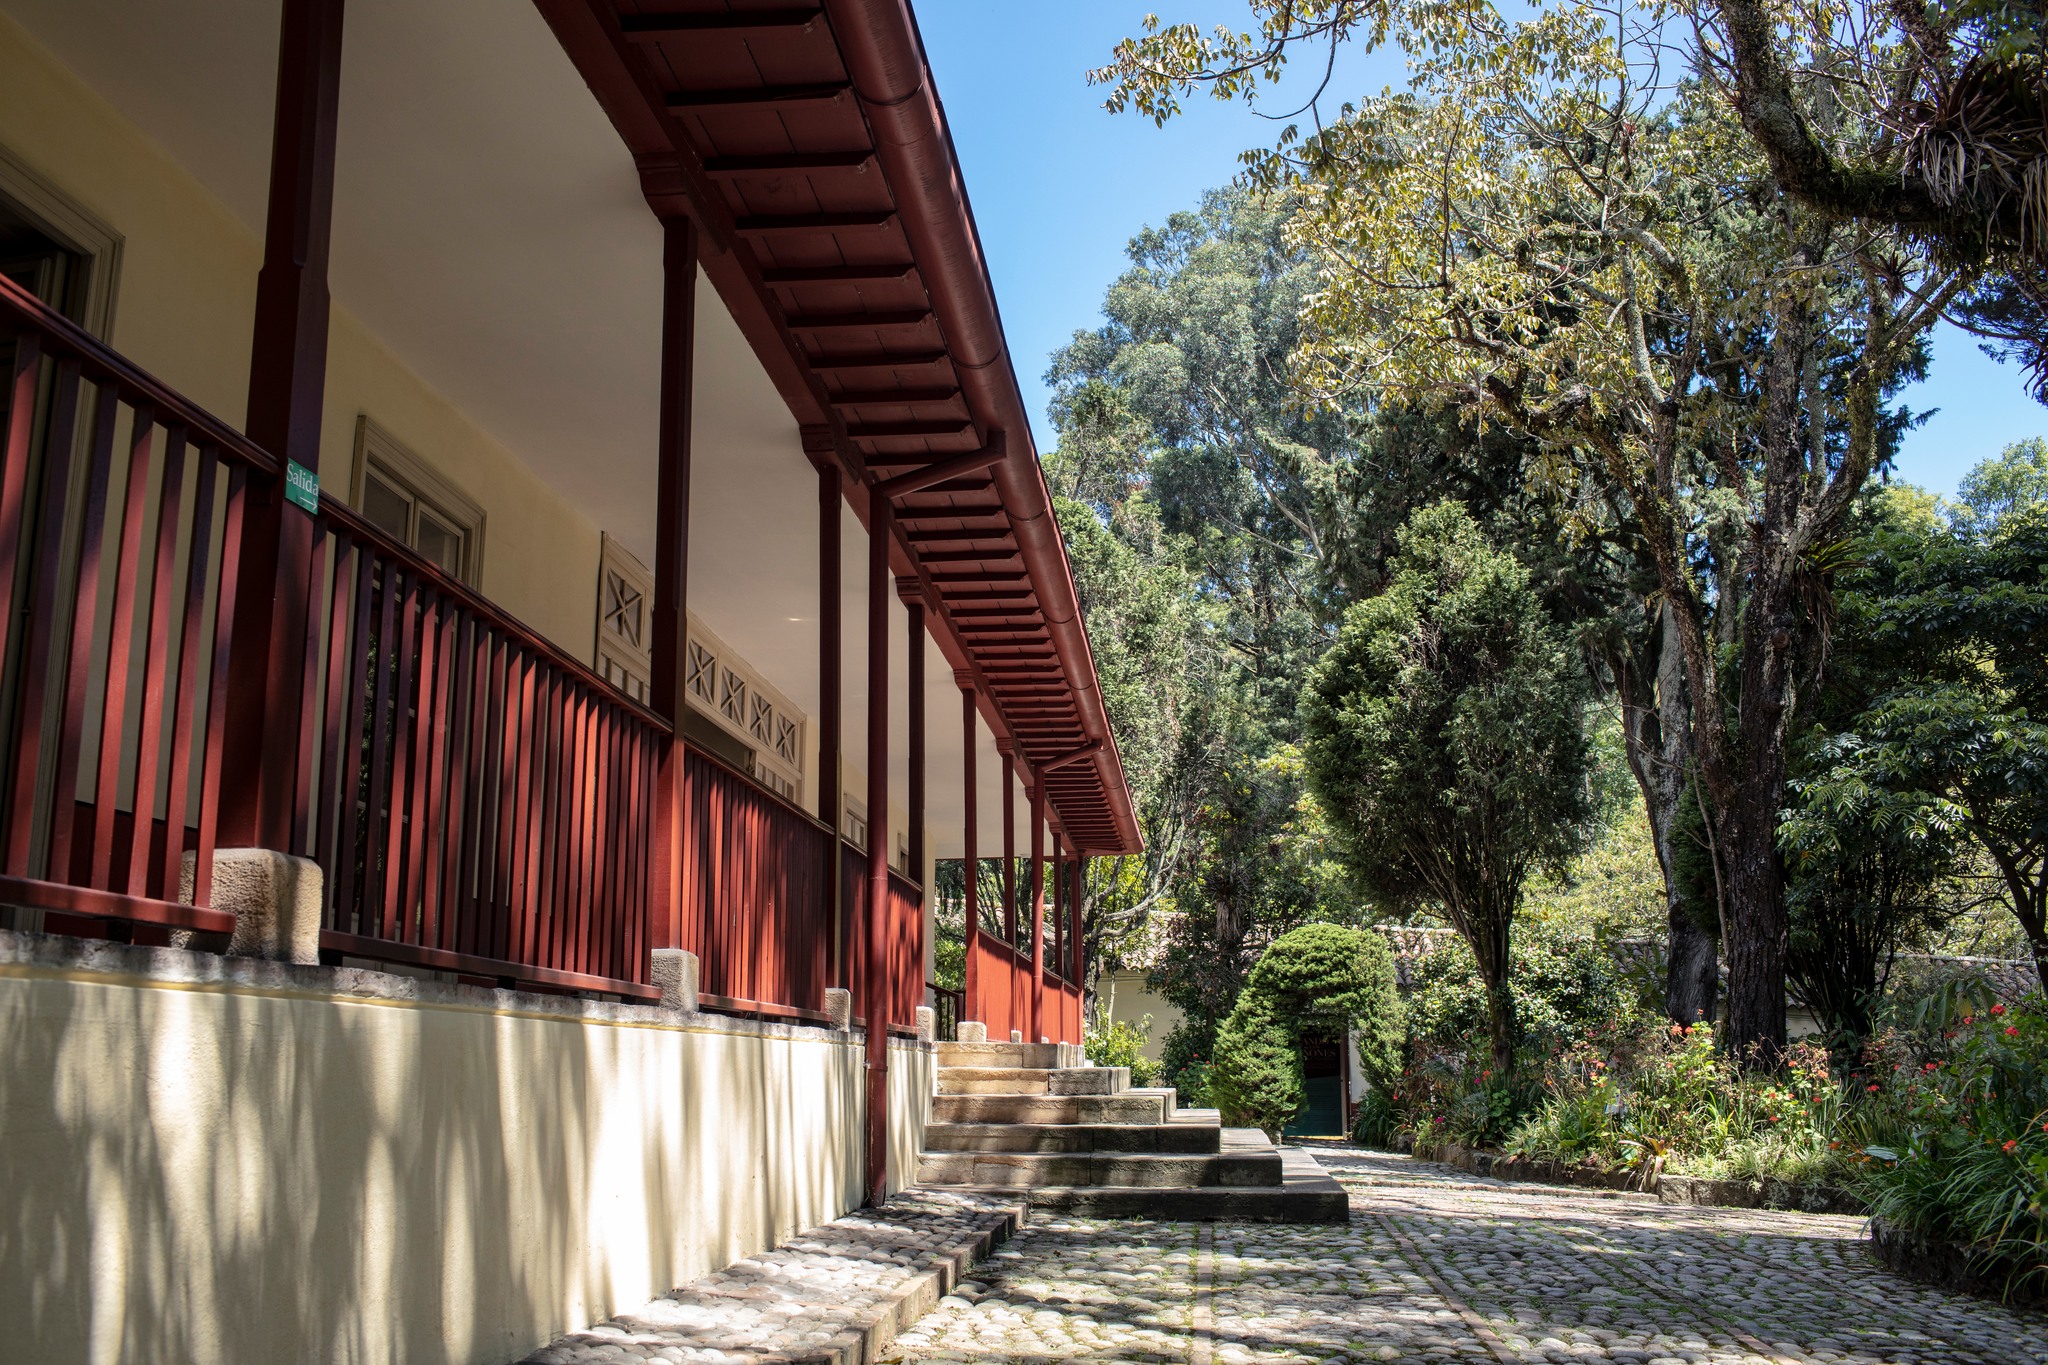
column 405, row 497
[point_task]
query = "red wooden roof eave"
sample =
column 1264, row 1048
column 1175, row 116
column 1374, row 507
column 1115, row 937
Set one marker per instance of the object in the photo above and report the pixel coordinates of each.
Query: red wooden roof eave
column 672, row 179
column 884, row 54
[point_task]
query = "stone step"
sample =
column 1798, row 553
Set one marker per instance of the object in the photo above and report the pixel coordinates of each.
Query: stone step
column 1029, row 1080
column 1306, row 1194
column 993, row 1080
column 1171, row 1099
column 1009, row 1054
column 835, row 1295
column 1209, row 1204
column 985, row 1108
column 1134, row 1170
column 1193, row 1138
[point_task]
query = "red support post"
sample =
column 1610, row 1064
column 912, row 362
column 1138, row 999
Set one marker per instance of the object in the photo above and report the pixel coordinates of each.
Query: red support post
column 1009, row 842
column 669, row 633
column 818, row 444
column 287, row 384
column 1078, row 887
column 912, row 593
column 875, row 973
column 1036, row 791
column 970, row 857
column 1058, row 896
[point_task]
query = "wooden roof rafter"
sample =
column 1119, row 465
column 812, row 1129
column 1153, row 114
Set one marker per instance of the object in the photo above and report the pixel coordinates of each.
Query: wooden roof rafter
column 849, row 259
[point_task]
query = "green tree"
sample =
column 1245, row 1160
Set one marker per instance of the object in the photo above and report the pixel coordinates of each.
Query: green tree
column 1953, row 739
column 1564, row 983
column 1257, row 1080
column 1167, row 688
column 2016, row 480
column 1548, row 231
column 1931, row 119
column 1445, row 738
column 1180, row 410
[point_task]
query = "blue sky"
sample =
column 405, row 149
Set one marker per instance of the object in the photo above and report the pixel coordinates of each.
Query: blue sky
column 1059, row 187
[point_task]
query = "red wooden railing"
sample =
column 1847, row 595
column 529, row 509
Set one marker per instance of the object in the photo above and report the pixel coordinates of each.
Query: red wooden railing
column 1004, row 990
column 755, row 904
column 903, row 931
column 1003, row 983
column 481, row 801
column 120, row 506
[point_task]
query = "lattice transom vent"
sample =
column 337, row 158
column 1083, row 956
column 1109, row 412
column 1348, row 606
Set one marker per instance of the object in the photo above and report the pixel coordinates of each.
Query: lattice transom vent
column 724, row 688
column 625, row 610
column 732, row 697
column 625, row 591
column 701, row 674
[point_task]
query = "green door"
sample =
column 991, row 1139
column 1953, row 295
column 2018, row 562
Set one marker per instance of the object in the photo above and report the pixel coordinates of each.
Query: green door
column 1322, row 1090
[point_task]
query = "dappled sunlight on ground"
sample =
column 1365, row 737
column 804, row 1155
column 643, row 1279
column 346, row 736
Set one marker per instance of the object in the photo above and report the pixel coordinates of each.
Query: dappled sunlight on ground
column 1437, row 1266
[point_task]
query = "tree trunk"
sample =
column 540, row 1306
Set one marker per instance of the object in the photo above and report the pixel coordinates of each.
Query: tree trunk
column 1692, row 977
column 1500, row 1027
column 1656, row 734
column 1747, row 836
column 1487, row 931
column 2030, row 908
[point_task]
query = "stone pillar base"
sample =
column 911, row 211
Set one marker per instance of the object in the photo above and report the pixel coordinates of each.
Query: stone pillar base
column 839, row 1004
column 274, row 897
column 675, row 971
column 972, row 1031
column 1016, row 1035
column 927, row 1024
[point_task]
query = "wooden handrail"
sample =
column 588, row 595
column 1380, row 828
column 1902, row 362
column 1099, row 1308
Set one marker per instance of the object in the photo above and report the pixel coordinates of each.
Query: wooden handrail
column 339, row 516
column 715, row 761
column 101, row 364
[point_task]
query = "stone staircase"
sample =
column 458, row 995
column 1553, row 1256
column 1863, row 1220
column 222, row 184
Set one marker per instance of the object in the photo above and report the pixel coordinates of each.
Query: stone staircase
column 1081, row 1139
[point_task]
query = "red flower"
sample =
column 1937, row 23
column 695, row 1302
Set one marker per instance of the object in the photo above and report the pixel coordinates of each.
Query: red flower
column 1873, row 1090
column 1998, row 1009
column 2011, row 1143
column 2012, row 1031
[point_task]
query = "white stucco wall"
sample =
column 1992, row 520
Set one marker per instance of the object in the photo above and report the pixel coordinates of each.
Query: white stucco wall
column 205, row 1160
column 1130, row 1000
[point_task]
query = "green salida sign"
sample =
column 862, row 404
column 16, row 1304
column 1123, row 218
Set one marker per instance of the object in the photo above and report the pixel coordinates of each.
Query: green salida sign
column 301, row 486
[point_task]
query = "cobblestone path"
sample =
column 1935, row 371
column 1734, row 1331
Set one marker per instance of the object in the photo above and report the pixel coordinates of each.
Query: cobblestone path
column 1437, row 1266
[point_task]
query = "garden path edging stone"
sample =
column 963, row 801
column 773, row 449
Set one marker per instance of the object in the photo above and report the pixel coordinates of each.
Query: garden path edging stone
column 1945, row 1265
column 1668, row 1189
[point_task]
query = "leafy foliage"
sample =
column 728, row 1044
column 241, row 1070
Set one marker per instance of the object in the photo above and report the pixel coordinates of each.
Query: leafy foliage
column 1118, row 1044
column 1257, row 1079
column 1445, row 740
column 1559, row 228
column 1951, row 741
column 1974, row 1169
column 1669, row 1100
column 1563, row 982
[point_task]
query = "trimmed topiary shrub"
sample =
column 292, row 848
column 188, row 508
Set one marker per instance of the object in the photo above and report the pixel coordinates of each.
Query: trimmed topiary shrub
column 1257, row 1082
column 1320, row 978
